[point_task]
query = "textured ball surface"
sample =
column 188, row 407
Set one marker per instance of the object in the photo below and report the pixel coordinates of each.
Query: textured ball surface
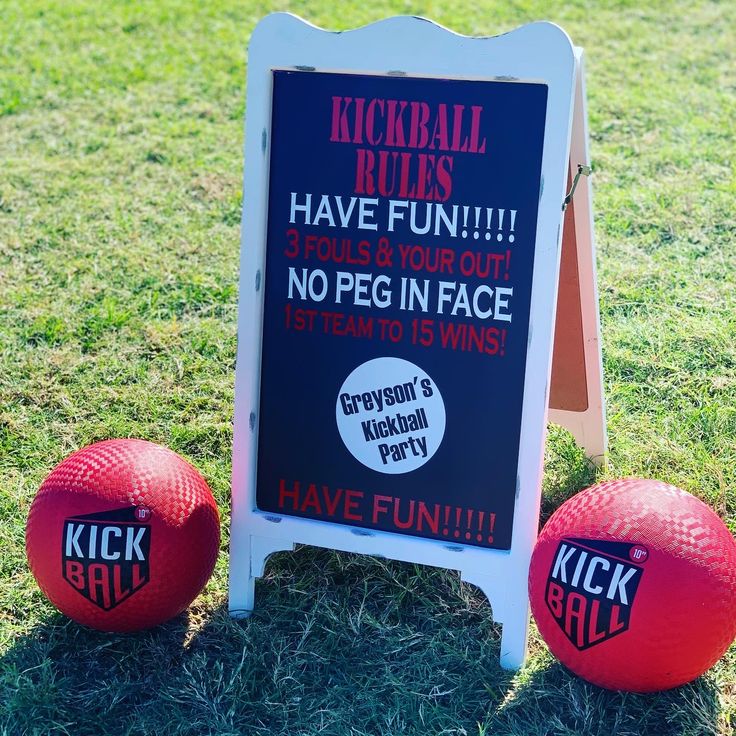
column 122, row 535
column 633, row 585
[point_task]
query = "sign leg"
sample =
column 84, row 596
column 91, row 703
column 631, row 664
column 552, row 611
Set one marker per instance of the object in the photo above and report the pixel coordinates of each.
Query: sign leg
column 510, row 605
column 242, row 598
column 248, row 562
column 514, row 636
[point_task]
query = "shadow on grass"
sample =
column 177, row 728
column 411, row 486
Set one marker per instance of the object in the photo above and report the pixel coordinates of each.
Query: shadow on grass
column 340, row 645
column 63, row 678
column 551, row 701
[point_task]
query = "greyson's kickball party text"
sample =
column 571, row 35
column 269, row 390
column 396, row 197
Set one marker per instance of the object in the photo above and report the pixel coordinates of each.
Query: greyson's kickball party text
column 401, row 233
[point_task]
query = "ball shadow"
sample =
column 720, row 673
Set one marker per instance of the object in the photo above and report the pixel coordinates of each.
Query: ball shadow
column 66, row 678
column 552, row 701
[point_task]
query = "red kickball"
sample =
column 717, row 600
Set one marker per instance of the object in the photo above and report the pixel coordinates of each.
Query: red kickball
column 123, row 535
column 633, row 585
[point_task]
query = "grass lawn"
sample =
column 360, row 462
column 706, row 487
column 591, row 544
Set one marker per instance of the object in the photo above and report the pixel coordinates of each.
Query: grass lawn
column 121, row 130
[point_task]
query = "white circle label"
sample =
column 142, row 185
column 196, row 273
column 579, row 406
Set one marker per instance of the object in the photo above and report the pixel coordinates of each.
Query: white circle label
column 390, row 415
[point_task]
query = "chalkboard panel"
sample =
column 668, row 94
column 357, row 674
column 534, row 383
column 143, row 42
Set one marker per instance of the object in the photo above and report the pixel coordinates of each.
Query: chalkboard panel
column 402, row 215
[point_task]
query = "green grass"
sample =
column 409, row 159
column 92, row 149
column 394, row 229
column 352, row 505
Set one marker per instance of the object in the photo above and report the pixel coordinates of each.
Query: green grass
column 120, row 193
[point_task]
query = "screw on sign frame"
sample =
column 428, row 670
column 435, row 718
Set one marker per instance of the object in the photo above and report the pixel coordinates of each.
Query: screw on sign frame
column 340, row 356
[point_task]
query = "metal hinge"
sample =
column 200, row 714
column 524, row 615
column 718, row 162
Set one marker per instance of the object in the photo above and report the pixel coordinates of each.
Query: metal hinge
column 583, row 170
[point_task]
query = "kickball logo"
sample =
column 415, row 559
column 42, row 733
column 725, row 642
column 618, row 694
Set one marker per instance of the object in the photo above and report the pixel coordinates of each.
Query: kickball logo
column 105, row 556
column 591, row 588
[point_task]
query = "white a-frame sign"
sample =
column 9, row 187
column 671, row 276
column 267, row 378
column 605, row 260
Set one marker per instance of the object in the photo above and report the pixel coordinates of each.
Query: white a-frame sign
column 401, row 241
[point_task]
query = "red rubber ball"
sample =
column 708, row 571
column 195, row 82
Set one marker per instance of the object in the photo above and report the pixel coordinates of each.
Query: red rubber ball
column 633, row 585
column 123, row 535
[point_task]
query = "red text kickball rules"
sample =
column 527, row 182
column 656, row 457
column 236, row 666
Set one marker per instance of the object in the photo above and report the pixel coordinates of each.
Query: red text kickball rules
column 633, row 585
column 123, row 535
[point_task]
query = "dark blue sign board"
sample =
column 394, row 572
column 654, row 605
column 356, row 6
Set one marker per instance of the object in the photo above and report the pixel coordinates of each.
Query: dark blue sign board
column 401, row 227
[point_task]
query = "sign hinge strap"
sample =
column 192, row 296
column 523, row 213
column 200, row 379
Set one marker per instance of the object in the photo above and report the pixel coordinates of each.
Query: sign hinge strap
column 583, row 170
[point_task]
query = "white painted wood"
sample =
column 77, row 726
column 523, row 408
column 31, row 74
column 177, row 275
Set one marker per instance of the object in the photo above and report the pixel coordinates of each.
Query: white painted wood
column 539, row 52
column 508, row 597
column 250, row 563
column 587, row 427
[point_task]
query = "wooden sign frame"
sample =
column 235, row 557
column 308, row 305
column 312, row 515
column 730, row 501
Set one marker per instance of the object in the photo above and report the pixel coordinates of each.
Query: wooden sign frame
column 413, row 47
